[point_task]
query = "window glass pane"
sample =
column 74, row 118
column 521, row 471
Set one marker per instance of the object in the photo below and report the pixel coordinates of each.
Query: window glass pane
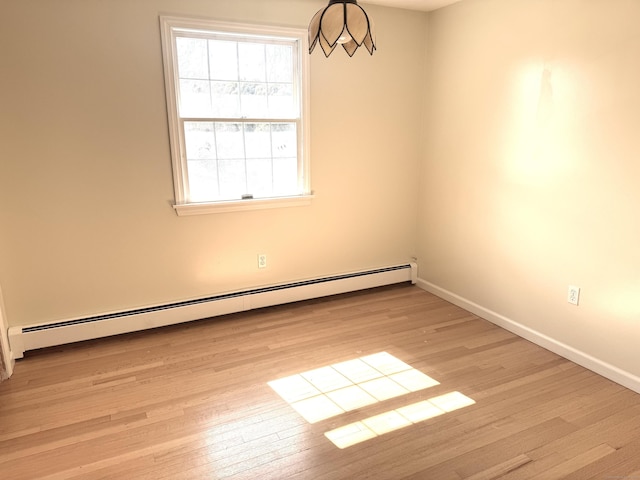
column 281, row 102
column 259, row 177
column 279, row 64
column 229, row 141
column 203, row 180
column 192, row 58
column 248, row 161
column 226, row 99
column 232, row 177
column 251, row 59
column 223, row 60
column 200, row 140
column 254, row 100
column 284, row 140
column 285, row 176
column 257, row 140
column 195, row 98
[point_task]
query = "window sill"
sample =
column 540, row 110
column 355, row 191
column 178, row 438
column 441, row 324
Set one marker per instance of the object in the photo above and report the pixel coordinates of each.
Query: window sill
column 241, row 205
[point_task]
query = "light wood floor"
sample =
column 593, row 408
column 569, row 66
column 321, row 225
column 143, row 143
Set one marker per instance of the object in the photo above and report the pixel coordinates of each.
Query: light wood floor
column 192, row 401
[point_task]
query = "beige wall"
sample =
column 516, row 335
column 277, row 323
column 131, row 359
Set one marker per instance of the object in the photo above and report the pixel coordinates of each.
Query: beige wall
column 532, row 167
column 85, row 173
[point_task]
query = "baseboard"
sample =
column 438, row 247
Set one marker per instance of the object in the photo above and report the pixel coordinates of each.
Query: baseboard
column 9, row 363
column 5, row 350
column 596, row 365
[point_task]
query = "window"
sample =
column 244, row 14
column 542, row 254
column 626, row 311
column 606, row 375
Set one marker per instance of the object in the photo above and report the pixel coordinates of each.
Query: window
column 237, row 108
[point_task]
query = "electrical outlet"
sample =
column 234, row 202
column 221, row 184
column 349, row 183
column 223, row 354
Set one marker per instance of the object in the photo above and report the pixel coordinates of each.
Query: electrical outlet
column 574, row 295
column 262, row 260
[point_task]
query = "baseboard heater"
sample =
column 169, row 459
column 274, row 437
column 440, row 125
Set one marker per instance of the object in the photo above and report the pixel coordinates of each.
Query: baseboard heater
column 25, row 338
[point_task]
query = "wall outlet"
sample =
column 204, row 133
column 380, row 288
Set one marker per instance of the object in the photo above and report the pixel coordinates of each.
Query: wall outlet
column 262, row 260
column 574, row 294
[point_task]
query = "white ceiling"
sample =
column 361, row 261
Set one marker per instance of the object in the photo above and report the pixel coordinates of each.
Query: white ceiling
column 425, row 5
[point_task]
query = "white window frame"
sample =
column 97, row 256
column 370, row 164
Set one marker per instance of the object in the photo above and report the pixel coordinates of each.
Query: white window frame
column 171, row 27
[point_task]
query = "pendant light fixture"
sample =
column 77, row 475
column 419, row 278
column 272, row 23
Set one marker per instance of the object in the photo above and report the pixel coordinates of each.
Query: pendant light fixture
column 342, row 22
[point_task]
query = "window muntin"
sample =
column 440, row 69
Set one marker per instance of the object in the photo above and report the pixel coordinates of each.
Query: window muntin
column 237, row 104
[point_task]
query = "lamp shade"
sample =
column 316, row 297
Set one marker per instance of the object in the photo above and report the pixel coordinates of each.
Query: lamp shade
column 341, row 23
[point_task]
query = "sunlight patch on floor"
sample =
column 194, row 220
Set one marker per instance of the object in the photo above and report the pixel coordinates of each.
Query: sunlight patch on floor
column 357, row 432
column 330, row 391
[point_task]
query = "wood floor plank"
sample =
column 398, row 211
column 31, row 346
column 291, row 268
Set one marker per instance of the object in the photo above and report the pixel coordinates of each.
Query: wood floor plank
column 577, row 462
column 193, row 401
column 500, row 469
